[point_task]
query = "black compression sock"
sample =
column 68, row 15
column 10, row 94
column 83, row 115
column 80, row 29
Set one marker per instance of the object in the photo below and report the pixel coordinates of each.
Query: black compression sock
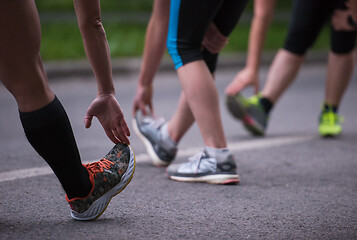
column 49, row 132
column 266, row 104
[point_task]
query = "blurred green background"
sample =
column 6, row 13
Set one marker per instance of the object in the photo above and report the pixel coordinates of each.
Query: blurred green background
column 125, row 24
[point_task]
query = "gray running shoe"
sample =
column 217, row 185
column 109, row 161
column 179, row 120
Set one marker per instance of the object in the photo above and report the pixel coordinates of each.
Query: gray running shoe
column 249, row 111
column 203, row 168
column 148, row 129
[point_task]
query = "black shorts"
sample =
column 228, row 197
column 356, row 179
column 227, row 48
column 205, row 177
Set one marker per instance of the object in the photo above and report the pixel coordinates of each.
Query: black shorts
column 189, row 20
column 308, row 18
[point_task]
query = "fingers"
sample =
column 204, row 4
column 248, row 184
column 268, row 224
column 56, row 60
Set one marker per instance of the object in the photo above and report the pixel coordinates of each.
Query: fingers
column 125, row 128
column 240, row 86
column 88, row 120
column 121, row 135
column 117, row 136
column 235, row 87
column 119, row 132
column 139, row 106
column 151, row 109
column 135, row 109
column 111, row 136
column 142, row 108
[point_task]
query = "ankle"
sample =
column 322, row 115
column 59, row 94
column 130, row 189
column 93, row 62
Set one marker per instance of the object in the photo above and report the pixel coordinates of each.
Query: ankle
column 220, row 154
column 266, row 103
column 328, row 107
column 166, row 136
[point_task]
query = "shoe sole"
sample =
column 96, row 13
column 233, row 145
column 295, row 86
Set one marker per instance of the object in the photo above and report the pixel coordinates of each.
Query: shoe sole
column 101, row 204
column 154, row 157
column 330, row 133
column 212, row 179
column 237, row 110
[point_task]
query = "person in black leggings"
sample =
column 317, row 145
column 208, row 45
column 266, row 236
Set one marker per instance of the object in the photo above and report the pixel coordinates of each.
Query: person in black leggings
column 308, row 18
column 89, row 187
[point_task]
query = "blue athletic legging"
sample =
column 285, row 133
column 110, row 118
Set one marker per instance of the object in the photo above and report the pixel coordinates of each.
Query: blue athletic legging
column 307, row 20
column 189, row 20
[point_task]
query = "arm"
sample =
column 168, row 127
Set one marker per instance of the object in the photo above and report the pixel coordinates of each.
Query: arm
column 263, row 15
column 155, row 45
column 105, row 106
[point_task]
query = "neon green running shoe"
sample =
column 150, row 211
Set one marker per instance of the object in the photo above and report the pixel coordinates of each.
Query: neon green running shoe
column 330, row 123
column 249, row 111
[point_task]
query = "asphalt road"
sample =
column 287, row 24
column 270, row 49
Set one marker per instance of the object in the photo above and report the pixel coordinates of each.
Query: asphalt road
column 294, row 185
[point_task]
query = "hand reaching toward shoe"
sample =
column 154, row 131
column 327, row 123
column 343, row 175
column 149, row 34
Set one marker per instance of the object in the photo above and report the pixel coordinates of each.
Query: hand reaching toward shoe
column 143, row 98
column 243, row 79
column 107, row 109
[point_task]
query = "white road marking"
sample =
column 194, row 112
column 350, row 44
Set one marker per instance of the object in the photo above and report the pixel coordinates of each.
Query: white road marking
column 141, row 158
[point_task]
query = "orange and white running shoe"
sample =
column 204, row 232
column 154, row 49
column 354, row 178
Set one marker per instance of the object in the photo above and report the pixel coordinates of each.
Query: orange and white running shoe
column 109, row 177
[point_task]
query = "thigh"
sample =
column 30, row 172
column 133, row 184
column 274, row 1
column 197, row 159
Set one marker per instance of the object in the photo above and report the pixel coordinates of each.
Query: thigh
column 228, row 15
column 194, row 18
column 307, row 20
column 189, row 20
column 21, row 69
column 19, row 42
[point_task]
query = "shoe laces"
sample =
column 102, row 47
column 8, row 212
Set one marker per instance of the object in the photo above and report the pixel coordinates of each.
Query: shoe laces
column 254, row 100
column 99, row 167
column 331, row 118
column 156, row 123
column 196, row 159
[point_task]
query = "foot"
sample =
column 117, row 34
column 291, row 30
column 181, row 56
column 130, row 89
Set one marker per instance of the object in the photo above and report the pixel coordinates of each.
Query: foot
column 329, row 123
column 148, row 129
column 249, row 111
column 109, row 177
column 203, row 168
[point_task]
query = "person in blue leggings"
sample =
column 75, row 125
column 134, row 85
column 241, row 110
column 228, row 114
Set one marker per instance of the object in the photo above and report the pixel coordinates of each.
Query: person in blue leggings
column 195, row 62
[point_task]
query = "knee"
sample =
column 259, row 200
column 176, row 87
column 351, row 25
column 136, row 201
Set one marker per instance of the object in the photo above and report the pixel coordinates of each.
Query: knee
column 31, row 80
column 183, row 52
column 27, row 88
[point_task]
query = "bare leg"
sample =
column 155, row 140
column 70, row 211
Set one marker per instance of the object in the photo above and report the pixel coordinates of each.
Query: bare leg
column 281, row 74
column 21, row 68
column 181, row 121
column 339, row 72
column 202, row 98
column 45, row 122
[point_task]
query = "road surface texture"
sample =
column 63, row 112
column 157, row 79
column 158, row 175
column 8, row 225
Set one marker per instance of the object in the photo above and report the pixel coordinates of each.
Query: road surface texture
column 294, row 184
